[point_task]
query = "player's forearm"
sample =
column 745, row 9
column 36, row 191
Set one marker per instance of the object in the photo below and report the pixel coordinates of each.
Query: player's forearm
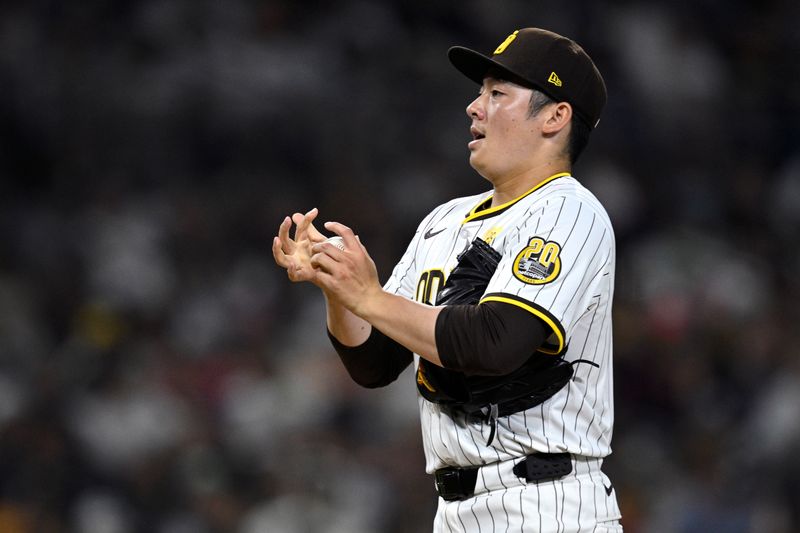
column 409, row 323
column 348, row 328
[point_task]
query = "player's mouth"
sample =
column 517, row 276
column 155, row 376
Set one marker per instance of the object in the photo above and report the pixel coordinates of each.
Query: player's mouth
column 477, row 136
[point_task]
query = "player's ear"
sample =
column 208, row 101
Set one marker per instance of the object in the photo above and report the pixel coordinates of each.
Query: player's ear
column 557, row 117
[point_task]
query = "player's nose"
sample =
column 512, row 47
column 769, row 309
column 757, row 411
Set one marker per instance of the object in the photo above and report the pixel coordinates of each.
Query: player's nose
column 475, row 109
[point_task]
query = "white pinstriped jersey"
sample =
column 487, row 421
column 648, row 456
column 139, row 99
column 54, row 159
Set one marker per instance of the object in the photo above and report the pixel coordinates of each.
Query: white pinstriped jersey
column 558, row 260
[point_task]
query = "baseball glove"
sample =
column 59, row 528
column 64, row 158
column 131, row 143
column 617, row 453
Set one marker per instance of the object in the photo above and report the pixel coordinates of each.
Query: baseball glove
column 534, row 382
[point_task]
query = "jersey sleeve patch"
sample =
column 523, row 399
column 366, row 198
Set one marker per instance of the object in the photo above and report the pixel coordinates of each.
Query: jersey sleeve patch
column 538, row 263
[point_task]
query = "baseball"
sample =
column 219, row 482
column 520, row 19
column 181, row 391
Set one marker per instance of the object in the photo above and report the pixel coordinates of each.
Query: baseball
column 337, row 242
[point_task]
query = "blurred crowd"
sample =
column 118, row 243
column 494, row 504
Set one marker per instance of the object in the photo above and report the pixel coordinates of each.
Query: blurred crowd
column 158, row 373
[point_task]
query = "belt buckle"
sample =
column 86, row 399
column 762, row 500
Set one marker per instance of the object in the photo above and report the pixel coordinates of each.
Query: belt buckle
column 449, row 485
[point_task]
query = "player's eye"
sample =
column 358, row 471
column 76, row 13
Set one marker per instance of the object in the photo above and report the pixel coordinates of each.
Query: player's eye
column 495, row 93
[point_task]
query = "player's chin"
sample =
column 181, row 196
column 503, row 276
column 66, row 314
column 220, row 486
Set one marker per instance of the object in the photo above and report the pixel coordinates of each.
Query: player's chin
column 484, row 170
column 477, row 162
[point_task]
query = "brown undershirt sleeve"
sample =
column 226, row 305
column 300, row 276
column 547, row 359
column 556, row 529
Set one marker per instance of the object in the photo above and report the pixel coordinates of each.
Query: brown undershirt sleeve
column 493, row 338
column 375, row 363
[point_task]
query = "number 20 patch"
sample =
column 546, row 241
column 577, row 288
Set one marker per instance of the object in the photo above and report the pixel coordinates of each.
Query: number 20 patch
column 538, row 263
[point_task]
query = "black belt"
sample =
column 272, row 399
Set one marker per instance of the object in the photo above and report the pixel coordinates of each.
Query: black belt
column 459, row 483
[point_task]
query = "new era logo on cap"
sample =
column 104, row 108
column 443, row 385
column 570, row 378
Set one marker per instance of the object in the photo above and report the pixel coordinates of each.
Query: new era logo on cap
column 554, row 79
column 543, row 60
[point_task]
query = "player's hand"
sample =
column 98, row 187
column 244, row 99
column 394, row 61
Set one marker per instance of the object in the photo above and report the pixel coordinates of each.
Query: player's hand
column 348, row 276
column 295, row 254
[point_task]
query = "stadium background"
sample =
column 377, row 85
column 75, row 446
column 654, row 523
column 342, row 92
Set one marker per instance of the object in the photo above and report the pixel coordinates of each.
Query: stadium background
column 159, row 374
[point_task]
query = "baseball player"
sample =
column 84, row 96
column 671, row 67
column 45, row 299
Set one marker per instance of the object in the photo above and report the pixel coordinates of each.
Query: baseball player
column 502, row 302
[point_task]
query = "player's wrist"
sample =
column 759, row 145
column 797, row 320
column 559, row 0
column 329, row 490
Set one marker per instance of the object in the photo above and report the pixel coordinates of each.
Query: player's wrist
column 371, row 303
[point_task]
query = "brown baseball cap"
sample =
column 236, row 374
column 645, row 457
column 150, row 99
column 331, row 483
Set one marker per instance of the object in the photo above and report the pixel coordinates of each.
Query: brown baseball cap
column 543, row 60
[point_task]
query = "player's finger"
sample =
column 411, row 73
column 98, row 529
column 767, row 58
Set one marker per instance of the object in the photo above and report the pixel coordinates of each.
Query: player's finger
column 312, row 214
column 350, row 242
column 313, row 233
column 303, row 222
column 324, row 262
column 277, row 253
column 287, row 244
column 292, row 269
column 298, row 219
column 329, row 249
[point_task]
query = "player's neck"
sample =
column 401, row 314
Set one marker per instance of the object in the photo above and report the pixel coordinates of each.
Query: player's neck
column 508, row 188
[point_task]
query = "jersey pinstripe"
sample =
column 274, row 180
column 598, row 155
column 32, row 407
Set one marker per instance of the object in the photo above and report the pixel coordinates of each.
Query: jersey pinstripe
column 558, row 260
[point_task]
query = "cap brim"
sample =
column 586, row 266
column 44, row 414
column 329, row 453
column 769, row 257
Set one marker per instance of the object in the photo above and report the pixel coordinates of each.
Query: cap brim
column 475, row 66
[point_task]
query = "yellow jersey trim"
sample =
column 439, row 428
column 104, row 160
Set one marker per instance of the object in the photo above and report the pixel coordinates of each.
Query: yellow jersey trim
column 476, row 212
column 549, row 320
